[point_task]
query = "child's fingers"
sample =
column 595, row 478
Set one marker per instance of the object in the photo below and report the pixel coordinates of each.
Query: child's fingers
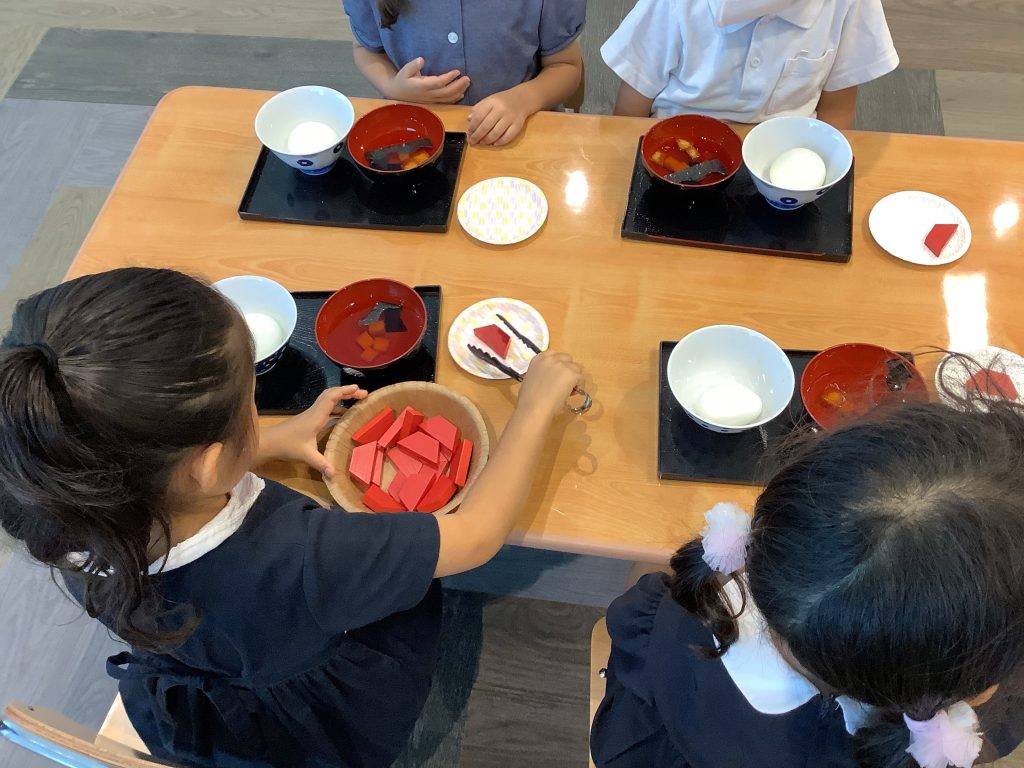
column 437, row 82
column 499, row 128
column 510, row 133
column 487, row 121
column 412, row 68
column 453, row 91
column 319, row 462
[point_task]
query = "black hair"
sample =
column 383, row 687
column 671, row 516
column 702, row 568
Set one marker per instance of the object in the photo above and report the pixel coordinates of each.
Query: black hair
column 888, row 559
column 106, row 382
column 390, row 10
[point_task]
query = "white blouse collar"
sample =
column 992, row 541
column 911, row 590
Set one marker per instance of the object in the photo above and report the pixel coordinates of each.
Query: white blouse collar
column 218, row 530
column 768, row 683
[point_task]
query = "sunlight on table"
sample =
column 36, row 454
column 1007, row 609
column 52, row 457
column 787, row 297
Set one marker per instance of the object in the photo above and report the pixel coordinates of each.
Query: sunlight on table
column 577, row 189
column 966, row 311
column 1005, row 217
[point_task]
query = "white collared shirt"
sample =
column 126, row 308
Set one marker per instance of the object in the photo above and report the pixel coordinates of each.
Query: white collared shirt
column 768, row 683
column 759, row 66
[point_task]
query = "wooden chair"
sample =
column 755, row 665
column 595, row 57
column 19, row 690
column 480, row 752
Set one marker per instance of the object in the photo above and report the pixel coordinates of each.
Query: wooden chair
column 600, row 649
column 575, row 102
column 47, row 733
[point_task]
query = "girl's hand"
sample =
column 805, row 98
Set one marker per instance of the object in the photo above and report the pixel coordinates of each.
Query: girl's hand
column 296, row 438
column 498, row 119
column 550, row 380
column 409, row 85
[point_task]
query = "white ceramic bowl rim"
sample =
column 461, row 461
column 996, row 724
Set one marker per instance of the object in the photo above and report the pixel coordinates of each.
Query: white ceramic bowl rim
column 279, row 100
column 786, row 387
column 801, row 127
column 288, row 321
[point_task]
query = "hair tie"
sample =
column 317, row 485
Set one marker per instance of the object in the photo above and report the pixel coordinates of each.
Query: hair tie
column 49, row 355
column 951, row 737
column 725, row 537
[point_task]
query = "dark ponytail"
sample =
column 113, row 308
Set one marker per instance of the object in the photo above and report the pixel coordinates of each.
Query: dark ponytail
column 390, row 10
column 106, row 383
column 697, row 587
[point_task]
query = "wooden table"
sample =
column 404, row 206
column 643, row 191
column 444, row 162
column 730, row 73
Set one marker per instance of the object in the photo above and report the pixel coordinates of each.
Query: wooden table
column 608, row 301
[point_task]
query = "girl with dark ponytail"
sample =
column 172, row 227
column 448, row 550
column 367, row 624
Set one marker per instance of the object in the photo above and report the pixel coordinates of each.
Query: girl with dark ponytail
column 264, row 629
column 870, row 614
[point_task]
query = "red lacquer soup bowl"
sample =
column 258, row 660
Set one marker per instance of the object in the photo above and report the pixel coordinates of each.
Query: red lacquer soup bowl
column 848, row 381
column 354, row 344
column 685, row 140
column 395, row 125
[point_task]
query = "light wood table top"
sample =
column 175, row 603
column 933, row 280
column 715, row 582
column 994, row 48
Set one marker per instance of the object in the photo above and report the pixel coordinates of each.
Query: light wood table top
column 608, row 301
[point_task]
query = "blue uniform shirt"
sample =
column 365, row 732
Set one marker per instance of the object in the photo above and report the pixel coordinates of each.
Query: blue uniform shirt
column 496, row 42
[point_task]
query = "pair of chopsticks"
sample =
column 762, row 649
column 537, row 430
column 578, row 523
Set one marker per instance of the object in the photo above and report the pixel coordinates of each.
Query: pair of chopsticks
column 579, row 401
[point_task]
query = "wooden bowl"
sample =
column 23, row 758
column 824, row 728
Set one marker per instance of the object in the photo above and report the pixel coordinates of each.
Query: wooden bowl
column 428, row 399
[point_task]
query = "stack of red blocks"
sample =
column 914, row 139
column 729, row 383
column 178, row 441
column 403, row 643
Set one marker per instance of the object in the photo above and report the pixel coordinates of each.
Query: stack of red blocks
column 430, row 458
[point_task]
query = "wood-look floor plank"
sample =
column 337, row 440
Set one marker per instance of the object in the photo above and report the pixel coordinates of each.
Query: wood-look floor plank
column 978, row 35
column 308, row 19
column 53, row 653
column 17, row 41
column 529, row 706
column 987, row 105
column 52, row 250
column 123, row 67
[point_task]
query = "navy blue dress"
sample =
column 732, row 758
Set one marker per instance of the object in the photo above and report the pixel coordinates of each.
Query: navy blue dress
column 666, row 707
column 317, row 640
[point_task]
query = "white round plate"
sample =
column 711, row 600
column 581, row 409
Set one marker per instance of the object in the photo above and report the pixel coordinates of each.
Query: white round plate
column 951, row 376
column 900, row 222
column 527, row 320
column 503, row 210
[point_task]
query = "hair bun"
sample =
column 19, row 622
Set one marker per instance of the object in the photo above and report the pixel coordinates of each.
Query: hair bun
column 50, row 356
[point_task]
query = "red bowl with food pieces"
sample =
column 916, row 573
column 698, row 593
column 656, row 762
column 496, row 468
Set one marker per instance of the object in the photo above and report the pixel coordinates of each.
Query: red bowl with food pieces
column 371, row 323
column 849, row 381
column 396, row 141
column 684, row 143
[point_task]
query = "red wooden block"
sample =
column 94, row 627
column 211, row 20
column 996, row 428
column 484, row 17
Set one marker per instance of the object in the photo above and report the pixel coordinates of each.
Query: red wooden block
column 459, row 470
column 442, row 430
column 411, row 420
column 378, row 466
column 394, row 432
column 395, row 489
column 404, row 461
column 495, row 338
column 361, row 465
column 372, row 430
column 377, row 500
column 939, row 236
column 415, row 488
column 422, row 446
column 440, row 493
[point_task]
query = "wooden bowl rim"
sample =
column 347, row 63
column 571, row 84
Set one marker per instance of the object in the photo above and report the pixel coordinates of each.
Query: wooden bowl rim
column 481, row 451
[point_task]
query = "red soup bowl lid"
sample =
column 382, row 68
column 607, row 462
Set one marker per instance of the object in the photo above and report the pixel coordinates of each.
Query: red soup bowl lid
column 395, row 335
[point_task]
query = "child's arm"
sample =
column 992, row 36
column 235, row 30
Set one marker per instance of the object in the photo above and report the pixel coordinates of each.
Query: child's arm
column 295, row 439
column 838, row 108
column 407, row 84
column 475, row 533
column 500, row 117
column 631, row 103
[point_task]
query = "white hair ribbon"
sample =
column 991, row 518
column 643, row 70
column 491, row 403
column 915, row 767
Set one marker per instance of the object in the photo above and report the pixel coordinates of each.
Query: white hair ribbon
column 725, row 537
column 952, row 737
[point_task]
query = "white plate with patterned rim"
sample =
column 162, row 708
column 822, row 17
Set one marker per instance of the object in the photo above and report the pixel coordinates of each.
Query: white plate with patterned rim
column 997, row 369
column 901, row 221
column 527, row 320
column 503, row 210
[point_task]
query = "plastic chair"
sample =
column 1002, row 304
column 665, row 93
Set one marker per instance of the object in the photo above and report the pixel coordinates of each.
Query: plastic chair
column 600, row 649
column 50, row 734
